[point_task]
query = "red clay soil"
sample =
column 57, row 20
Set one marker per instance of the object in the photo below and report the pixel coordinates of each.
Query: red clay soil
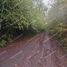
column 41, row 50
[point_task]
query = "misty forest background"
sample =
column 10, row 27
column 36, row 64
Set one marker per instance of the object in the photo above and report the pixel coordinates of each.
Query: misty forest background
column 33, row 16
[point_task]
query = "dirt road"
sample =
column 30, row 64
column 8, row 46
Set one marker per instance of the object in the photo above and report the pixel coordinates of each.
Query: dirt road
column 41, row 50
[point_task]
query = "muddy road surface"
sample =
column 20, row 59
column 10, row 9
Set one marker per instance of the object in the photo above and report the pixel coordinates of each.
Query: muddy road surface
column 42, row 50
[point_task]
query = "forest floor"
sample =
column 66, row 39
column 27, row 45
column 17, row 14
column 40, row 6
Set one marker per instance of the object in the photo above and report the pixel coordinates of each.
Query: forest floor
column 42, row 50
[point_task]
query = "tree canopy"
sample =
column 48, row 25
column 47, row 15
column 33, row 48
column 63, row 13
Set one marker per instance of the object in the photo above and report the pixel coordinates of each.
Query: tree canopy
column 20, row 15
column 23, row 16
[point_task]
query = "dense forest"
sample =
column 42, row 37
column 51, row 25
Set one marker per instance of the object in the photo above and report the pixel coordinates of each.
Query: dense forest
column 33, row 16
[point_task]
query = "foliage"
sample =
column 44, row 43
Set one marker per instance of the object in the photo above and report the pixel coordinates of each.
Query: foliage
column 57, row 16
column 19, row 15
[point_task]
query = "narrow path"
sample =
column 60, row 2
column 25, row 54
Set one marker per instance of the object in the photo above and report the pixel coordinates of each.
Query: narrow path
column 41, row 50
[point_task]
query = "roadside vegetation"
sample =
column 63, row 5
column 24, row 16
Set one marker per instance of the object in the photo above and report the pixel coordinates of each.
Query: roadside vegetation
column 32, row 16
column 19, row 17
column 57, row 21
